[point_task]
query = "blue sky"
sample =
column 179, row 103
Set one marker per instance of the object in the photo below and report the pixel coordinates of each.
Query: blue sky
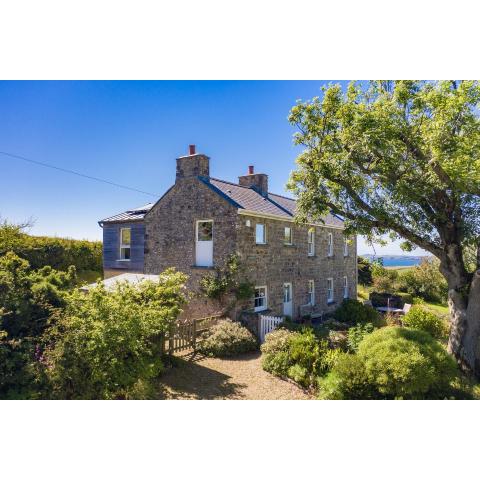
column 130, row 133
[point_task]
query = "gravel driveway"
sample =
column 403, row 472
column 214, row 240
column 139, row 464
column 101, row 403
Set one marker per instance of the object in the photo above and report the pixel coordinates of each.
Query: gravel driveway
column 241, row 378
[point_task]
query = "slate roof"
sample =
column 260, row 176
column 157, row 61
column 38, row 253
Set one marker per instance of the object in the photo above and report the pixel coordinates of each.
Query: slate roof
column 273, row 204
column 130, row 215
column 242, row 197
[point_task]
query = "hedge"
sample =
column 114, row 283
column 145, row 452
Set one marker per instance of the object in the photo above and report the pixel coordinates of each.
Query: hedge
column 59, row 253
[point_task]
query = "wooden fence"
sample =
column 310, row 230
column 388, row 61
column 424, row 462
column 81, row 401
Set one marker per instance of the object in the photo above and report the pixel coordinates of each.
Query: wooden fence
column 267, row 324
column 185, row 336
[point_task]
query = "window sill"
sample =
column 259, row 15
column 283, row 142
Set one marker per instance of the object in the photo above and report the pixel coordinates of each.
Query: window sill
column 203, row 267
column 331, row 302
column 312, row 255
column 261, row 244
column 124, row 260
column 258, row 310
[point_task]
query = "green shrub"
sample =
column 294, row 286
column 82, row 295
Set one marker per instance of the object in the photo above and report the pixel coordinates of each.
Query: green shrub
column 356, row 334
column 106, row 344
column 406, row 363
column 27, row 297
column 29, row 302
column 276, row 341
column 346, row 381
column 406, row 298
column 421, row 319
column 425, row 281
column 17, row 372
column 227, row 339
column 277, row 363
column 299, row 375
column 301, row 356
column 383, row 280
column 364, row 271
column 291, row 326
column 352, row 312
column 338, row 339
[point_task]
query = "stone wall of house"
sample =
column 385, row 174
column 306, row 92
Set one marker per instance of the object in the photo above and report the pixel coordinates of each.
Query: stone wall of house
column 170, row 229
column 275, row 263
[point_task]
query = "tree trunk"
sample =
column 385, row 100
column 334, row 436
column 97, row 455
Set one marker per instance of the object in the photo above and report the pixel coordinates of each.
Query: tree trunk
column 464, row 341
column 464, row 306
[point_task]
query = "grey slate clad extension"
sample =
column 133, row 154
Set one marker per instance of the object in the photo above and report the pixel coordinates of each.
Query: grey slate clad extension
column 200, row 221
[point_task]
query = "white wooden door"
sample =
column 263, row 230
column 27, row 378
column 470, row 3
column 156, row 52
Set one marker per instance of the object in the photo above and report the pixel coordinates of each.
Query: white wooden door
column 287, row 299
column 204, row 243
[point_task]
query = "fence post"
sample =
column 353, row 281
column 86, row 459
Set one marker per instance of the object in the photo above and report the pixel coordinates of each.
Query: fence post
column 194, row 339
column 170, row 340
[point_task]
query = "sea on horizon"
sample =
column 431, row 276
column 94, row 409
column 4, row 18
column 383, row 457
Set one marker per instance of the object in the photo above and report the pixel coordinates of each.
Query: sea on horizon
column 396, row 260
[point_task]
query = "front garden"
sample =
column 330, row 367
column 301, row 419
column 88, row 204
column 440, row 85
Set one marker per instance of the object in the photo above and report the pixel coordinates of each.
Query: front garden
column 360, row 355
column 356, row 354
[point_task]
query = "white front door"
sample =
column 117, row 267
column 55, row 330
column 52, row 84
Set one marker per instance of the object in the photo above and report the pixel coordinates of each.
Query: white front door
column 287, row 299
column 204, row 243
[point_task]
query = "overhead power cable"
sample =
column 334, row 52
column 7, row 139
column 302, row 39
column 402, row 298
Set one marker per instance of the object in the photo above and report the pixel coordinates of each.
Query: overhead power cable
column 66, row 170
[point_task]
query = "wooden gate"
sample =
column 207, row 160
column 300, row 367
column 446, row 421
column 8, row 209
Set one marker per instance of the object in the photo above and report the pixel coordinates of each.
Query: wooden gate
column 185, row 336
column 267, row 324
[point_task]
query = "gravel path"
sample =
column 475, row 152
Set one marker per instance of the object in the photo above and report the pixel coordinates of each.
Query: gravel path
column 241, row 378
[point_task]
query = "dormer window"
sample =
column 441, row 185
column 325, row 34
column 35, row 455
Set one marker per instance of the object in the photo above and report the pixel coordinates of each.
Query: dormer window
column 125, row 243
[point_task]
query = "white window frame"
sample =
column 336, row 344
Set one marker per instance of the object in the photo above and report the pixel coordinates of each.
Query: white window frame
column 345, row 246
column 284, row 236
column 265, row 297
column 330, row 244
column 125, row 245
column 345, row 287
column 311, row 244
column 330, row 293
column 197, row 241
column 311, row 292
column 264, row 233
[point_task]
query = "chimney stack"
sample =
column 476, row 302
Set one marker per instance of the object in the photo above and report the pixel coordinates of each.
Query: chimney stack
column 193, row 165
column 258, row 181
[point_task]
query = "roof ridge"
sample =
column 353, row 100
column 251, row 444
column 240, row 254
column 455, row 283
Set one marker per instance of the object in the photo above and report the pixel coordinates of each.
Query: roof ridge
column 243, row 186
column 226, row 181
column 282, row 196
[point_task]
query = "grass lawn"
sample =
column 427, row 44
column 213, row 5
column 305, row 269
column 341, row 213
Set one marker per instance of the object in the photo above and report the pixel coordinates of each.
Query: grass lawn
column 437, row 308
column 400, row 269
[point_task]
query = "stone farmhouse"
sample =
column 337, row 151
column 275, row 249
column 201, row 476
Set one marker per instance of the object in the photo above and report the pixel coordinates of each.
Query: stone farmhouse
column 200, row 221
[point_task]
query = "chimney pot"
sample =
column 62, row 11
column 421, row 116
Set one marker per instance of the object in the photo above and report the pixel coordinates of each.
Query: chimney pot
column 250, row 169
column 191, row 149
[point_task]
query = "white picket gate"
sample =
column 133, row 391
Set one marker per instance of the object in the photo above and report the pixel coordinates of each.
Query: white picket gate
column 267, row 324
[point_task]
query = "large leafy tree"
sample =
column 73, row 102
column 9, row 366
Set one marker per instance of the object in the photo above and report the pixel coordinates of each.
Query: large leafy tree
column 402, row 158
